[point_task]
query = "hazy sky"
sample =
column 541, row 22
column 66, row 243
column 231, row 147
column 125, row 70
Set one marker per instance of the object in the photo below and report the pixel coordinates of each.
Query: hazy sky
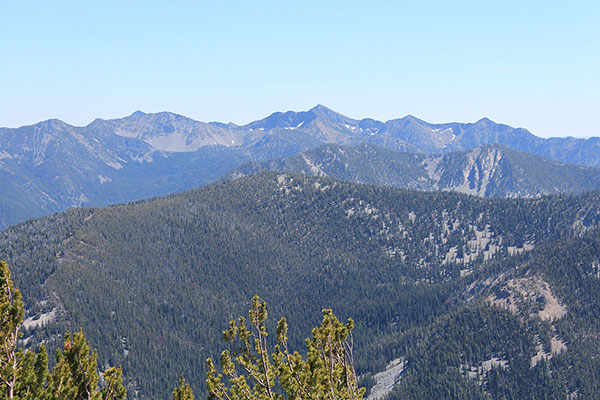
column 534, row 64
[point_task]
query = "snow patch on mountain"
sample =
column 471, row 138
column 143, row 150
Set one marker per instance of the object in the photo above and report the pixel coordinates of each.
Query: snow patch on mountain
column 104, row 179
column 114, row 164
column 4, row 154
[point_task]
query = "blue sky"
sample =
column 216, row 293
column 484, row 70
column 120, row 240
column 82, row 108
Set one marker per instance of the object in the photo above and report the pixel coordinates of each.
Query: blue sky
column 534, row 64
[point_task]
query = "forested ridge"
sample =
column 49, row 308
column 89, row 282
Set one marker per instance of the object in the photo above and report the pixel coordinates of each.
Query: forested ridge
column 444, row 351
column 492, row 170
column 153, row 283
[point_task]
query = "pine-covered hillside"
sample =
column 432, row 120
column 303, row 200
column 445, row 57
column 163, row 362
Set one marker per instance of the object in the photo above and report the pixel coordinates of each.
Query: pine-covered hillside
column 446, row 283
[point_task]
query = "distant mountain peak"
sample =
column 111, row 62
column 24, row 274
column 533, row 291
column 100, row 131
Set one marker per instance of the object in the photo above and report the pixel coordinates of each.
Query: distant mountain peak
column 329, row 114
column 52, row 123
column 286, row 120
column 412, row 118
column 322, row 109
column 485, row 121
column 162, row 116
column 138, row 113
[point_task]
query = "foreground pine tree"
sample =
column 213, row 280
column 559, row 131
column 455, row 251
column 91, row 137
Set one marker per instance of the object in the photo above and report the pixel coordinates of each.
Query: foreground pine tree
column 32, row 374
column 183, row 391
column 11, row 318
column 250, row 372
column 24, row 374
column 114, row 389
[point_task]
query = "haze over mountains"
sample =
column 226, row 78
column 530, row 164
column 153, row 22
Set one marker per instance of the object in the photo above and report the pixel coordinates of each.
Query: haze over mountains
column 50, row 166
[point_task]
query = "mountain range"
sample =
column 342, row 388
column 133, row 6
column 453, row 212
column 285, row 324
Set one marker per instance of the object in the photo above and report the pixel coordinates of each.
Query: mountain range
column 453, row 296
column 51, row 166
column 482, row 283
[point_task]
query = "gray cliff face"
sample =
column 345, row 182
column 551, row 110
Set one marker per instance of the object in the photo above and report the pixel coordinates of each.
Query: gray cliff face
column 50, row 166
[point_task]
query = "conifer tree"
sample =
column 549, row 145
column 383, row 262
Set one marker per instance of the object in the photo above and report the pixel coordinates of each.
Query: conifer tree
column 114, row 389
column 75, row 375
column 250, row 372
column 82, row 365
column 32, row 374
column 11, row 318
column 183, row 391
column 60, row 383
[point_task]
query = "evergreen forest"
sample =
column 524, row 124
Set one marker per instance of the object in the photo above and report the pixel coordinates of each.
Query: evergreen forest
column 474, row 298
